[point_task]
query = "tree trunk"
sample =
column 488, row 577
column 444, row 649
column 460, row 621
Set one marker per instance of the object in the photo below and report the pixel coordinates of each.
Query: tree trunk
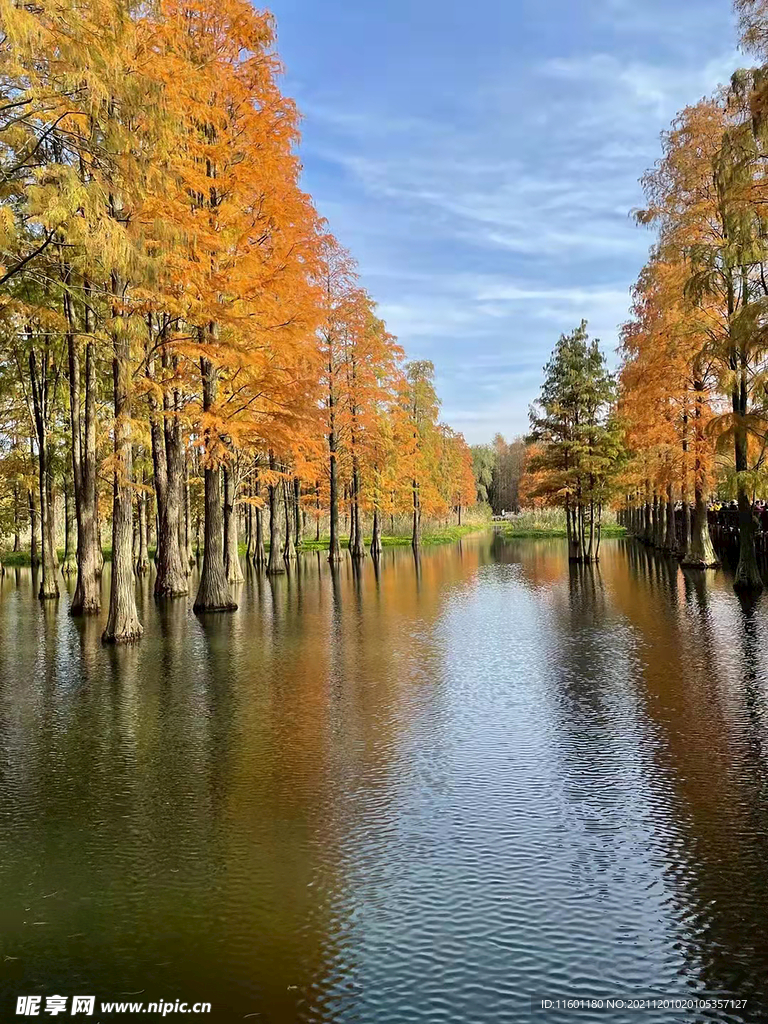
column 700, row 553
column 231, row 554
column 188, row 558
column 599, row 531
column 297, row 512
column 87, row 596
column 34, row 530
column 376, row 534
column 684, row 499
column 16, row 532
column 656, row 533
column 100, row 542
column 171, row 579
column 259, row 557
column 49, row 587
column 275, row 564
column 416, row 522
column 69, row 565
column 358, row 544
column 123, row 623
column 670, row 537
column 334, row 548
column 591, row 548
column 289, row 549
column 213, row 594
column 142, row 556
column 747, row 572
column 685, row 539
column 249, row 535
column 317, row 511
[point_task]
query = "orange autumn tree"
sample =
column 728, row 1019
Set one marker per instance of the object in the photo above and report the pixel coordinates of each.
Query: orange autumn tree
column 157, row 249
column 701, row 197
column 666, row 384
column 241, row 272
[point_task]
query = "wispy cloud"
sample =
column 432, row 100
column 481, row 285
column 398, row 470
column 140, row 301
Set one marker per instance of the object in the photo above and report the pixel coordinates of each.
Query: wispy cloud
column 484, row 180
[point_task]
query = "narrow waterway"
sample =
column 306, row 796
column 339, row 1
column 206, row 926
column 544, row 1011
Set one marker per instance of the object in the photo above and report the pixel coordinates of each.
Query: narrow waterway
column 421, row 794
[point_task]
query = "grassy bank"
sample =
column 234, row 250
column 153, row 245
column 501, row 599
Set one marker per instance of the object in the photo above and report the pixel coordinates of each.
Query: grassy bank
column 445, row 535
column 511, row 530
column 549, row 522
column 13, row 558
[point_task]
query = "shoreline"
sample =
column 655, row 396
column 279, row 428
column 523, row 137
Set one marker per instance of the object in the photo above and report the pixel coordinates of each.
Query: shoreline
column 446, row 535
column 552, row 532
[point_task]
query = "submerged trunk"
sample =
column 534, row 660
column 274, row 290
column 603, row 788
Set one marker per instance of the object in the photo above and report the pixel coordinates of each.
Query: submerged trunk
column 416, row 523
column 747, row 572
column 249, row 537
column 334, row 548
column 358, row 544
column 670, row 537
column 171, row 579
column 700, row 553
column 69, row 565
column 187, row 555
column 87, row 597
column 598, row 531
column 297, row 519
column 99, row 541
column 49, row 587
column 259, row 557
column 576, row 549
column 275, row 564
column 590, row 556
column 34, row 529
column 685, row 539
column 658, row 522
column 231, row 554
column 123, row 621
column 289, row 549
column 685, row 507
column 376, row 534
column 317, row 510
column 16, row 534
column 142, row 556
column 213, row 594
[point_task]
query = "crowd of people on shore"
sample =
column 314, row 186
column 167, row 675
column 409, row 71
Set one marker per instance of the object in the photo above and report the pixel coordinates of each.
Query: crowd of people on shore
column 726, row 513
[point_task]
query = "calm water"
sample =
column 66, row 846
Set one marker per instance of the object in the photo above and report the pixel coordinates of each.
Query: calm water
column 424, row 797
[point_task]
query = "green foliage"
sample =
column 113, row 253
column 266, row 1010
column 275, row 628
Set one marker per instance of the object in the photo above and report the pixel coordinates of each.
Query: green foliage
column 550, row 522
column 498, row 469
column 578, row 439
column 483, row 462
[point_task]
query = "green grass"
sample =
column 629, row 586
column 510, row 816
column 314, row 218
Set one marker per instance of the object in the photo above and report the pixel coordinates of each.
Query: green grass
column 445, row 535
column 12, row 558
column 21, row 558
column 547, row 530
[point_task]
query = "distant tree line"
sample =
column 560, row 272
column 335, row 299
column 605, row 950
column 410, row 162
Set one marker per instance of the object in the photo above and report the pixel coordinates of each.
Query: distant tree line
column 499, row 469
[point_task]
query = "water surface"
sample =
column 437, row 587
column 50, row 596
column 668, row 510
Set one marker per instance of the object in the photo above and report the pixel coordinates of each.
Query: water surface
column 421, row 795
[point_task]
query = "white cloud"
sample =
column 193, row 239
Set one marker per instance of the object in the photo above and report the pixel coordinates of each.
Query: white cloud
column 491, row 215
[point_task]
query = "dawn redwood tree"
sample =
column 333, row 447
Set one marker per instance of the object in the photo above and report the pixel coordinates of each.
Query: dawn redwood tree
column 700, row 198
column 577, row 438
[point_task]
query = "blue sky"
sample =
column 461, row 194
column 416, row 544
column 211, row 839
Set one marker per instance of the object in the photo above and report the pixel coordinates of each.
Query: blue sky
column 480, row 160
